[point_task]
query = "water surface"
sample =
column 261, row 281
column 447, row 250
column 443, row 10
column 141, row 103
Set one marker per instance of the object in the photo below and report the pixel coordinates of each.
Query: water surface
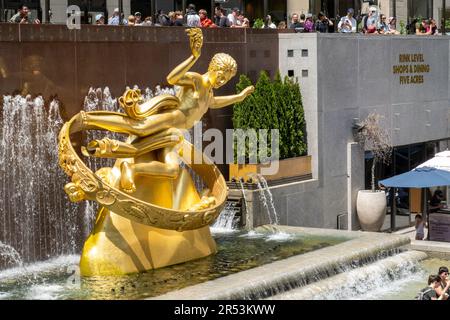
column 237, row 251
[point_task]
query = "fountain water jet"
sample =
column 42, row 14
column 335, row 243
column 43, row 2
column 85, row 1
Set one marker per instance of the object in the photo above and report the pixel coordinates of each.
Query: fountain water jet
column 227, row 220
column 36, row 220
column 247, row 219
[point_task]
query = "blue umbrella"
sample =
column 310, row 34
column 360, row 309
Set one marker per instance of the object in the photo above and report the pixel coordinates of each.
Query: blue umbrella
column 425, row 177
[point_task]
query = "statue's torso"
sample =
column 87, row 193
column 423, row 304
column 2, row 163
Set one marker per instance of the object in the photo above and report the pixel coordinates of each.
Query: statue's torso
column 194, row 106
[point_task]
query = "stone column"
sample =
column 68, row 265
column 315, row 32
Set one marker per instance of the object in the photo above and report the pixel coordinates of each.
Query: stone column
column 402, row 11
column 297, row 6
column 58, row 11
column 385, row 7
column 355, row 182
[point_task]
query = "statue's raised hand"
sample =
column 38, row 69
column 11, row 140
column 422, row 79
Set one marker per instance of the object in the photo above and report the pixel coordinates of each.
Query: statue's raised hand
column 196, row 40
column 248, row 91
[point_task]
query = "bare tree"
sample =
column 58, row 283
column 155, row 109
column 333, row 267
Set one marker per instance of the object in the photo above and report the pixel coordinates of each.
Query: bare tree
column 372, row 136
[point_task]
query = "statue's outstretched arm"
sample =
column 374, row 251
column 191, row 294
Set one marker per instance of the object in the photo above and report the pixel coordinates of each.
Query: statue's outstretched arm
column 220, row 102
column 180, row 76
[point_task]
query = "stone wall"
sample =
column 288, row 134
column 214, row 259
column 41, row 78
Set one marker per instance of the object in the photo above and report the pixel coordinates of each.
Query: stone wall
column 349, row 76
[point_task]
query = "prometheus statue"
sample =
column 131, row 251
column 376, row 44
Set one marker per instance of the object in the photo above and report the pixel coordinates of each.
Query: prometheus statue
column 151, row 213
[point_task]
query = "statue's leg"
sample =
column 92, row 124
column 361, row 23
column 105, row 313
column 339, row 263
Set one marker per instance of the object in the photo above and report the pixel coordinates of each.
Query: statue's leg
column 168, row 167
column 109, row 148
column 123, row 124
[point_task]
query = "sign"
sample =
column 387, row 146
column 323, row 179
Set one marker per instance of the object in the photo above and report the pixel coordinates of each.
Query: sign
column 411, row 68
column 439, row 227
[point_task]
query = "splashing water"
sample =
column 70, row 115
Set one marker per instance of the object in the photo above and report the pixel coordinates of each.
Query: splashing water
column 279, row 236
column 36, row 218
column 270, row 203
column 247, row 218
column 252, row 234
column 389, row 275
column 227, row 221
column 263, row 198
column 9, row 256
column 41, row 267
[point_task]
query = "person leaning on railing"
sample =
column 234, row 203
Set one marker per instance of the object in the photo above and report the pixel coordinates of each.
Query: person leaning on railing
column 204, row 20
column 393, row 25
column 348, row 23
column 23, row 16
column 323, row 23
column 296, row 24
column 423, row 28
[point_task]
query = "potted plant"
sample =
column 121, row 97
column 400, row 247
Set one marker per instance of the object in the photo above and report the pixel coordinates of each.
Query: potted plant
column 371, row 204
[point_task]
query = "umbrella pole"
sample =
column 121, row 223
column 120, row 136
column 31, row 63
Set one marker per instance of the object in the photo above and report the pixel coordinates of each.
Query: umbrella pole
column 425, row 215
column 393, row 209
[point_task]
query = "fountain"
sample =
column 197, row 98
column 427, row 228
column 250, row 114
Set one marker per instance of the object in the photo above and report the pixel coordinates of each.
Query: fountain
column 152, row 236
column 29, row 220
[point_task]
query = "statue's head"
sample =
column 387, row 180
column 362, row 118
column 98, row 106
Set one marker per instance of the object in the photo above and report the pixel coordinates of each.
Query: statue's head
column 221, row 69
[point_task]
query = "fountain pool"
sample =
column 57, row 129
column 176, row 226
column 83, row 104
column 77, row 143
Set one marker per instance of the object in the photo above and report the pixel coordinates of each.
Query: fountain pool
column 237, row 251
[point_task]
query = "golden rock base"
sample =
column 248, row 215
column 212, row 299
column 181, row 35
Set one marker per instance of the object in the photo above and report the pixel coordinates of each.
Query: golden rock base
column 118, row 246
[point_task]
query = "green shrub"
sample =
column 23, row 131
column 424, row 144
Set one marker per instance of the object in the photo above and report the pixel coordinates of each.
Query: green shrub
column 258, row 24
column 402, row 27
column 275, row 104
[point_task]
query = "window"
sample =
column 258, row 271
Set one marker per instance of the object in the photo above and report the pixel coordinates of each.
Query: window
column 290, row 53
column 420, row 8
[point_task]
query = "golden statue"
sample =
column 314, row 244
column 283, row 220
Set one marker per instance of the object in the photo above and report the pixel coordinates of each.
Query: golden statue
column 151, row 214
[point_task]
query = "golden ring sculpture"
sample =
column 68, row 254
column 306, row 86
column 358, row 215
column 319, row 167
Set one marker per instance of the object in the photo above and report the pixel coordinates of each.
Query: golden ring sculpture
column 94, row 187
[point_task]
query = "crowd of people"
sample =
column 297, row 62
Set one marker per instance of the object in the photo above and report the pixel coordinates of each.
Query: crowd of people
column 190, row 18
column 374, row 22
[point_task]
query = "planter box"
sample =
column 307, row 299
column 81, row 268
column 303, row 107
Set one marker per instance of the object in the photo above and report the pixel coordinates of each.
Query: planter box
column 288, row 168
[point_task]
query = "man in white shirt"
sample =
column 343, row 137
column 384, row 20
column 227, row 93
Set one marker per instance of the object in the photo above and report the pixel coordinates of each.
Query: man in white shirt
column 115, row 19
column 232, row 18
column 348, row 23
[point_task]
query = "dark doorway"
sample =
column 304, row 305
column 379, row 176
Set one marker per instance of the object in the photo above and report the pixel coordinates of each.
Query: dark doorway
column 201, row 4
column 144, row 7
column 277, row 9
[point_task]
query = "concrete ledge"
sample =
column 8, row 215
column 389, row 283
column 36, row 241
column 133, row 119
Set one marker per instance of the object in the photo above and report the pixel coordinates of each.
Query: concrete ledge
column 284, row 275
column 344, row 282
column 429, row 246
